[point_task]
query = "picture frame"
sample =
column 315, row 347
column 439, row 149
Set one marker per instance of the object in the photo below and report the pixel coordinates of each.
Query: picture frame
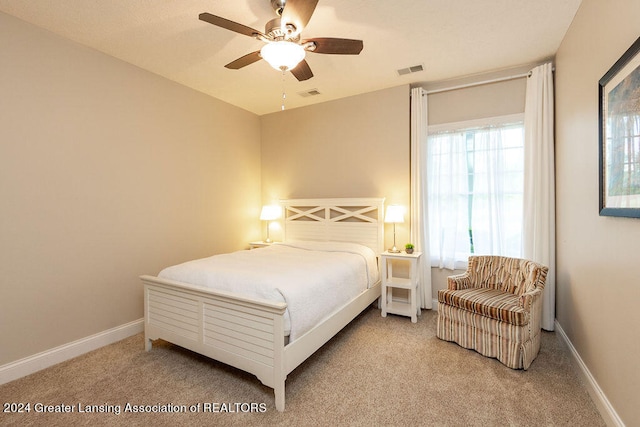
column 619, row 136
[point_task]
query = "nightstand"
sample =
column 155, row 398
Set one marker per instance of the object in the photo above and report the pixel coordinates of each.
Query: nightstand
column 259, row 244
column 411, row 307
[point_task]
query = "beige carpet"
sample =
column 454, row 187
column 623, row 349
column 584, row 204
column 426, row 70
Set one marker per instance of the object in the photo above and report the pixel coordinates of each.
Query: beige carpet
column 377, row 371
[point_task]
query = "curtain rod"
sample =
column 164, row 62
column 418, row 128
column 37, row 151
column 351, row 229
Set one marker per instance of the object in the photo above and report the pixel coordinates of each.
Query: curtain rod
column 480, row 83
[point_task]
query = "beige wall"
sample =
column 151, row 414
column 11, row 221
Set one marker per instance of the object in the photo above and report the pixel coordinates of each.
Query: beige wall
column 107, row 172
column 352, row 147
column 598, row 284
column 477, row 102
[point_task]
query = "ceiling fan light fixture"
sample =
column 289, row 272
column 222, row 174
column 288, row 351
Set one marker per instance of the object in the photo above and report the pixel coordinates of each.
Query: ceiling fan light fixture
column 282, row 55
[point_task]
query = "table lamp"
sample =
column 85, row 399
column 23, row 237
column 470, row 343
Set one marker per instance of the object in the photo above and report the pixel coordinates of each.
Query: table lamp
column 394, row 215
column 269, row 213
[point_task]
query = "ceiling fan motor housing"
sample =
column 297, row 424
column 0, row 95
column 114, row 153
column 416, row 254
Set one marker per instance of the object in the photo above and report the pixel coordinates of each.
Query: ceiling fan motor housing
column 276, row 31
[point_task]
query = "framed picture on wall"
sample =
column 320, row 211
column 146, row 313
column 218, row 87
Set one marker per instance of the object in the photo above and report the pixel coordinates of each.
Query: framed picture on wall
column 619, row 142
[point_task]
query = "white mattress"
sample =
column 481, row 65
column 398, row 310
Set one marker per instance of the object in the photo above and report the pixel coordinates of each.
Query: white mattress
column 313, row 278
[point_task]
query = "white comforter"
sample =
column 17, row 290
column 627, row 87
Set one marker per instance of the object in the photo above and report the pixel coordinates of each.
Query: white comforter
column 313, row 278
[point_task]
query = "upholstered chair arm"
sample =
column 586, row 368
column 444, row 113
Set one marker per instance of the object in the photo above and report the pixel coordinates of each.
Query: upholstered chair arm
column 459, row 281
column 526, row 299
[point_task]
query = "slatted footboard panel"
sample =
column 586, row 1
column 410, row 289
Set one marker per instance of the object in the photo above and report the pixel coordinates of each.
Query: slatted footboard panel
column 173, row 312
column 249, row 334
column 244, row 333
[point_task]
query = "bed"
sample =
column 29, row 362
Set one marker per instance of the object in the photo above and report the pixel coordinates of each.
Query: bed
column 260, row 332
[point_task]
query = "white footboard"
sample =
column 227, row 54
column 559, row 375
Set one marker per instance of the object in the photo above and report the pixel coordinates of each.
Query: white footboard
column 245, row 333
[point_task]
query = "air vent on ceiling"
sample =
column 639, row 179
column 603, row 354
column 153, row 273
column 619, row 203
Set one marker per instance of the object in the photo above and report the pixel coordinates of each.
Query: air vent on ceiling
column 409, row 70
column 310, row 92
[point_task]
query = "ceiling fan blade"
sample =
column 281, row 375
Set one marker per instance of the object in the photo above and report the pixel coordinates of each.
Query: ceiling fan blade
column 302, row 71
column 336, row 46
column 229, row 25
column 298, row 13
column 245, row 60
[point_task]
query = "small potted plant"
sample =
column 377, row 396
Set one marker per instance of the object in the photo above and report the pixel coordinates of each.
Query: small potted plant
column 409, row 248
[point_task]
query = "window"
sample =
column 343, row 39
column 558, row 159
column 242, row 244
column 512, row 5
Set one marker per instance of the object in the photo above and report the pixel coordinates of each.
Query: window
column 475, row 175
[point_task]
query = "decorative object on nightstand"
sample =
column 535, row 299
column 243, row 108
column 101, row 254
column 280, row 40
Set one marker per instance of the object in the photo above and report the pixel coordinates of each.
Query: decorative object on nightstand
column 394, row 215
column 408, row 248
column 270, row 213
column 411, row 307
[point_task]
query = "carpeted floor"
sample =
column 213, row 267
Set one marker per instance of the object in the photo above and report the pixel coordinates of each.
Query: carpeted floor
column 377, row 371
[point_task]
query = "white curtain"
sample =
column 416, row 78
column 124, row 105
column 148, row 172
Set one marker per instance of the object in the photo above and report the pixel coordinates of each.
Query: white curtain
column 539, row 195
column 448, row 198
column 419, row 219
column 498, row 180
column 475, row 193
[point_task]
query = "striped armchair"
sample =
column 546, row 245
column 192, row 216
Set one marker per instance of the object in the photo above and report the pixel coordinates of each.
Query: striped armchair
column 495, row 308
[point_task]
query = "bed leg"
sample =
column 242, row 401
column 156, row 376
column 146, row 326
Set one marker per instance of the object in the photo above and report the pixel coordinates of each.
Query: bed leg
column 279, row 392
column 148, row 343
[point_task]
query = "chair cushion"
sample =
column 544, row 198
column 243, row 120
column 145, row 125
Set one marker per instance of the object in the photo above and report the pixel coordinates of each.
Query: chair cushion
column 492, row 303
column 511, row 275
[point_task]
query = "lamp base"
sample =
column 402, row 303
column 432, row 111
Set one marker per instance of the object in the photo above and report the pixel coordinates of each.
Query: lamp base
column 393, row 250
column 268, row 240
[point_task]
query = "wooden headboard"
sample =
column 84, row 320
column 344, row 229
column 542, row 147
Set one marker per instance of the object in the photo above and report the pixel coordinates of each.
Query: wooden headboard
column 356, row 220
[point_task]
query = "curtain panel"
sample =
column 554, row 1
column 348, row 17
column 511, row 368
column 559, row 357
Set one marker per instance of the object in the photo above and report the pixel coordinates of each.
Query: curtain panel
column 419, row 225
column 448, row 200
column 539, row 195
column 475, row 192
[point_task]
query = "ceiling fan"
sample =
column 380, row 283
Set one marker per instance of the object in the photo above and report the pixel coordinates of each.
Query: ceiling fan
column 284, row 49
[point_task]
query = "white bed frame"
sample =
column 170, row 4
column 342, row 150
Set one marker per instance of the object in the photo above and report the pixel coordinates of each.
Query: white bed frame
column 248, row 333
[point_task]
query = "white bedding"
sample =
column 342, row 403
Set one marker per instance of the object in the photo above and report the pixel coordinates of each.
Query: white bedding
column 313, row 278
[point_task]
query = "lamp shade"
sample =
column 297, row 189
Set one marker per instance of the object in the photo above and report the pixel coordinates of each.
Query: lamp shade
column 394, row 214
column 270, row 212
column 282, row 55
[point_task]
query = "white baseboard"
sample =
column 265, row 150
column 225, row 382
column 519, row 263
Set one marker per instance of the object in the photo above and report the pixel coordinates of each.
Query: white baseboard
column 37, row 362
column 609, row 415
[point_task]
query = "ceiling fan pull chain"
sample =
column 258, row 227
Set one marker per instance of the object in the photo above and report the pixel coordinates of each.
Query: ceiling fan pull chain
column 284, row 94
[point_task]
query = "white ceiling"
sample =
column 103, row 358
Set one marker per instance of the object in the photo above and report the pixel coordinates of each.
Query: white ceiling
column 450, row 38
